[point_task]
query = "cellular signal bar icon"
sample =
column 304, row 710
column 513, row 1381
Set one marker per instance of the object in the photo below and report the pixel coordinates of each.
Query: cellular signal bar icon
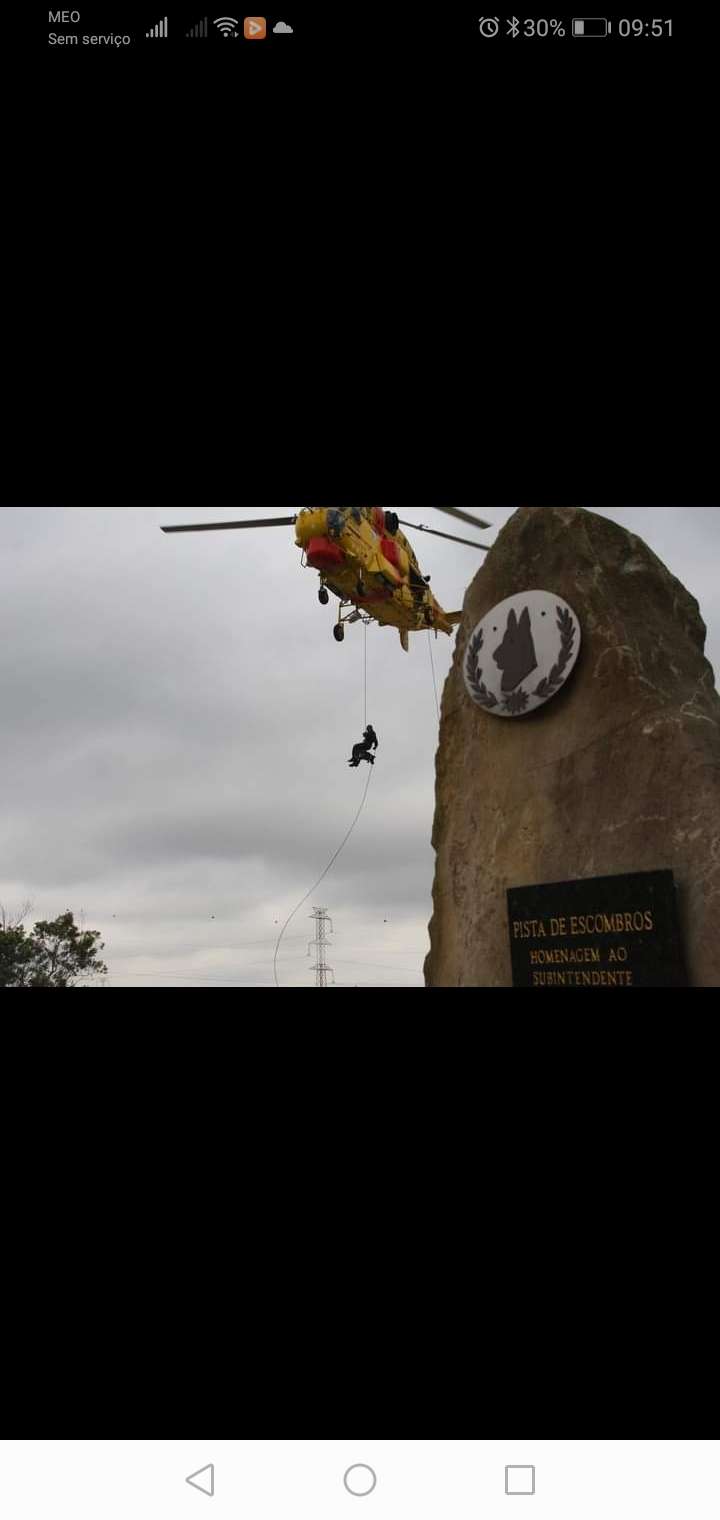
column 159, row 29
column 200, row 29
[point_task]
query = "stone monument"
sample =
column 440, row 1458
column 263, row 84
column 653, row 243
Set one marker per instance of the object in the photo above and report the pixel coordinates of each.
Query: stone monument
column 616, row 776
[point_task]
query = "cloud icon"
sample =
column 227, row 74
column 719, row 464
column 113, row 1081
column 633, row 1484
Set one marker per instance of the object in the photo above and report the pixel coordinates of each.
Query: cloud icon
column 282, row 26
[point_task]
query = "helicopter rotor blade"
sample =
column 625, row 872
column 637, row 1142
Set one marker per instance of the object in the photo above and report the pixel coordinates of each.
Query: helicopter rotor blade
column 476, row 522
column 420, row 528
column 257, row 522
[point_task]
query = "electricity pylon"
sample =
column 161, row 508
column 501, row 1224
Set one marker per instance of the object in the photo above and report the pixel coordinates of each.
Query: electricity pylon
column 320, row 943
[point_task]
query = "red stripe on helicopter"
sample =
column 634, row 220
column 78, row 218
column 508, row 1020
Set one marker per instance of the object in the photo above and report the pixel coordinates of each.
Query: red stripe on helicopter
column 378, row 520
column 322, row 554
column 389, row 548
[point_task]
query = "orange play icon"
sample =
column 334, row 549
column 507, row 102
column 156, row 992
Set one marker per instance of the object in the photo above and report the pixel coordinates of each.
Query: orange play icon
column 255, row 26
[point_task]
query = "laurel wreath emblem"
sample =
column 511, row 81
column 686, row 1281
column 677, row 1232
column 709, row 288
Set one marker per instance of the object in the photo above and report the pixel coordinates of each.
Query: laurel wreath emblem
column 517, row 701
column 473, row 673
column 556, row 678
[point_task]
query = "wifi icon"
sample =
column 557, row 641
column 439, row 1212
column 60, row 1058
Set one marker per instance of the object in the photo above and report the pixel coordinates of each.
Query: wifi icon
column 227, row 25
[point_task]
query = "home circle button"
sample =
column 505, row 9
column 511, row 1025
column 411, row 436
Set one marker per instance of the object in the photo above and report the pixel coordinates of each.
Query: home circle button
column 360, row 1479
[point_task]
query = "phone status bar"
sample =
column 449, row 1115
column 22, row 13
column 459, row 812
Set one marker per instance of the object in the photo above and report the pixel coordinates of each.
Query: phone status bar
column 110, row 27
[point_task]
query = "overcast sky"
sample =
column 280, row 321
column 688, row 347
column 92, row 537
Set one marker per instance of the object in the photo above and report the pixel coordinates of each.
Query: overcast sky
column 176, row 724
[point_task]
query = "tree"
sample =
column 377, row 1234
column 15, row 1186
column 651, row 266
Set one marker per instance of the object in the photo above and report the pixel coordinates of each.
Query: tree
column 15, row 949
column 56, row 954
column 15, row 957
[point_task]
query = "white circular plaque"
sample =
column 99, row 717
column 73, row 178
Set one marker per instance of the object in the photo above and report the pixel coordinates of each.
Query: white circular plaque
column 522, row 653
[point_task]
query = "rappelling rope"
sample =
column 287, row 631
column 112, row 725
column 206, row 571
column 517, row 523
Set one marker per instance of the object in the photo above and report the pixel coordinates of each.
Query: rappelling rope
column 365, row 680
column 324, row 874
column 432, row 667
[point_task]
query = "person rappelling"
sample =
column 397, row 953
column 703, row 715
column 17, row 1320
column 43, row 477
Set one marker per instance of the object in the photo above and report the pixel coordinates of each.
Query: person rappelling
column 362, row 751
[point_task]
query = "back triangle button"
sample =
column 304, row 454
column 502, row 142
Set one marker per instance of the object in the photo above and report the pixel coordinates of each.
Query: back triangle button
column 203, row 1479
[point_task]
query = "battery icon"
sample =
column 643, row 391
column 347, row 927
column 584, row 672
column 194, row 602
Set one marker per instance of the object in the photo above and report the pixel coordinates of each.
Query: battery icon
column 589, row 26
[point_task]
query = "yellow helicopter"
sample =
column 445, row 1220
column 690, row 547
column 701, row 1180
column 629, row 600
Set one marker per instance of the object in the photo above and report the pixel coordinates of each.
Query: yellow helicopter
column 365, row 561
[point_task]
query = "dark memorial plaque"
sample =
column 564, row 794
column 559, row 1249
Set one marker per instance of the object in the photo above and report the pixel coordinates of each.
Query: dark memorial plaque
column 608, row 931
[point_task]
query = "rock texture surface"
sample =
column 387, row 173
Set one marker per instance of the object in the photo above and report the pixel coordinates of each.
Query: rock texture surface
column 619, row 773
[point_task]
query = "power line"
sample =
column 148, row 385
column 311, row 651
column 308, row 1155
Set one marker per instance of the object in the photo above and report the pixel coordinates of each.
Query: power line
column 228, row 981
column 380, row 984
column 378, row 964
column 157, row 979
column 141, row 947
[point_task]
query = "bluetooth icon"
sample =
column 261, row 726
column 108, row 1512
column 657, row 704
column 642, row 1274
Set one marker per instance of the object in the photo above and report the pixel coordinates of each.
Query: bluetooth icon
column 513, row 27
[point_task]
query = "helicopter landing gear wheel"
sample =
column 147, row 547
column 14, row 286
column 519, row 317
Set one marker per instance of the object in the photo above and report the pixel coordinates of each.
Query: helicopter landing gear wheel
column 339, row 632
column 323, row 596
